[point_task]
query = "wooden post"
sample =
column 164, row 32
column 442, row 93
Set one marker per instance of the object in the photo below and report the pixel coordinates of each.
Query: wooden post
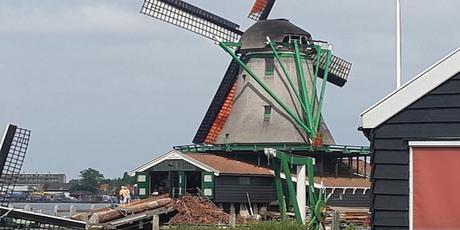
column 337, row 167
column 156, row 222
column 72, row 210
column 232, row 208
column 232, row 220
column 141, row 224
column 335, row 220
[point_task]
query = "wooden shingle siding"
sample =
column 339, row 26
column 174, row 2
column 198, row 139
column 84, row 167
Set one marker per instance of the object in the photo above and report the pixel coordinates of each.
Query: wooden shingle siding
column 389, row 144
column 391, row 157
column 438, row 115
column 389, row 186
column 391, row 202
column 391, row 171
column 260, row 189
column 391, row 218
column 419, row 130
column 435, row 115
column 438, row 101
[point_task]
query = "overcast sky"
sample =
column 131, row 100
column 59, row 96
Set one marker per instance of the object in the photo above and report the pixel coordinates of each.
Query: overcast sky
column 105, row 87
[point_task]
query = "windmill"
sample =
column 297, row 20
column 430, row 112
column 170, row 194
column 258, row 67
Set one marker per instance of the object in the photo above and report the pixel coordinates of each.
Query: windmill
column 13, row 149
column 271, row 92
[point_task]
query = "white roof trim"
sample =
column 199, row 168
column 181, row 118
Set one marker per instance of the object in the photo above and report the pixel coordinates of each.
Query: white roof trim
column 173, row 155
column 413, row 90
column 434, row 143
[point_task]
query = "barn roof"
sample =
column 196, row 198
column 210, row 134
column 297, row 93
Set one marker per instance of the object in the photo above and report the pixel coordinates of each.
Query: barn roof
column 229, row 166
column 207, row 162
column 173, row 155
column 413, row 90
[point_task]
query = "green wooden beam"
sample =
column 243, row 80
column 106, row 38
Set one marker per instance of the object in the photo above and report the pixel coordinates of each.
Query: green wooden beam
column 267, row 89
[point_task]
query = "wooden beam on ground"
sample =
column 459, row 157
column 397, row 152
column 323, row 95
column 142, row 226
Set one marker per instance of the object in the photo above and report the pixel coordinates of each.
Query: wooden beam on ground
column 41, row 218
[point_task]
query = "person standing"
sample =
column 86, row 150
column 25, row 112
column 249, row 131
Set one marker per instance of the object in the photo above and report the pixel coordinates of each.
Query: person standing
column 124, row 195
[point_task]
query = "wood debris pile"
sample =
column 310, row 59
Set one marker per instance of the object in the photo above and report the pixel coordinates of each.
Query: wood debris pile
column 351, row 216
column 197, row 210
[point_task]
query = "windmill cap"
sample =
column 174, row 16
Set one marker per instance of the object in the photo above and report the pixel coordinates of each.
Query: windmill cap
column 277, row 30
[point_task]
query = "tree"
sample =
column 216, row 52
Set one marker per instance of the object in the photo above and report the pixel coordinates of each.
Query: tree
column 90, row 179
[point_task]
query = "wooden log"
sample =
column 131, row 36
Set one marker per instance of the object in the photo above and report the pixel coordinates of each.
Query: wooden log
column 86, row 215
column 113, row 214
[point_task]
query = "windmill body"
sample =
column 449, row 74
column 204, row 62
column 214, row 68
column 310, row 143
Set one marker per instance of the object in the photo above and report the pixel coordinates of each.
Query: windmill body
column 250, row 114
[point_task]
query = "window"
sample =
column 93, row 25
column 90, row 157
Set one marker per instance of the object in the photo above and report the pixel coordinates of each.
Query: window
column 207, row 192
column 244, row 180
column 141, row 178
column 267, row 112
column 207, row 178
column 269, row 66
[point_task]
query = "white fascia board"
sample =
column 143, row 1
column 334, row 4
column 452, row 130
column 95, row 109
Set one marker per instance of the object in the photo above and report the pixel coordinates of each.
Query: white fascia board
column 413, row 90
column 434, row 143
column 173, row 155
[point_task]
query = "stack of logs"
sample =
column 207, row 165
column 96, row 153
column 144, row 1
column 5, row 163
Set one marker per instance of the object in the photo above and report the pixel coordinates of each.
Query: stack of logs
column 104, row 215
column 189, row 210
column 354, row 217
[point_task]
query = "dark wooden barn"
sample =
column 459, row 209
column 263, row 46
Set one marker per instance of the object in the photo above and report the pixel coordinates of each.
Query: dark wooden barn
column 231, row 180
column 414, row 134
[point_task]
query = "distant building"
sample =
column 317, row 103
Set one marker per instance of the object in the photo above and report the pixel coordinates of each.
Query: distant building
column 40, row 178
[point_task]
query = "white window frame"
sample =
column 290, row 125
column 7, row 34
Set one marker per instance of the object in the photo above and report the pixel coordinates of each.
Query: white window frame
column 207, row 178
column 412, row 144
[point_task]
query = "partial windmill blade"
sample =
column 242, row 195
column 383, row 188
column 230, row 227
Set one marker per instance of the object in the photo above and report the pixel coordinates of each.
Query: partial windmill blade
column 261, row 9
column 338, row 70
column 192, row 18
column 12, row 153
column 217, row 103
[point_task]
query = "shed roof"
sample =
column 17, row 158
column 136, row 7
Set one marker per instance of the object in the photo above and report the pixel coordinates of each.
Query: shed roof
column 207, row 162
column 229, row 166
column 173, row 155
column 413, row 90
column 343, row 182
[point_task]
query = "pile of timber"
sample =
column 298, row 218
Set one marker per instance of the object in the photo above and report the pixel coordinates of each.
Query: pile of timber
column 189, row 209
column 104, row 215
column 197, row 210
column 350, row 216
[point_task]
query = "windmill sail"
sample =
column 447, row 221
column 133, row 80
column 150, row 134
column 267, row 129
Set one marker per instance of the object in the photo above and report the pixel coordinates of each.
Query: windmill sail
column 261, row 9
column 338, row 72
column 192, row 18
column 12, row 153
column 220, row 105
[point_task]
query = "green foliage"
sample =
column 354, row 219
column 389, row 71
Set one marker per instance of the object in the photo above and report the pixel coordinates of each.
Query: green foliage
column 90, row 180
column 267, row 225
column 350, row 227
column 91, row 177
